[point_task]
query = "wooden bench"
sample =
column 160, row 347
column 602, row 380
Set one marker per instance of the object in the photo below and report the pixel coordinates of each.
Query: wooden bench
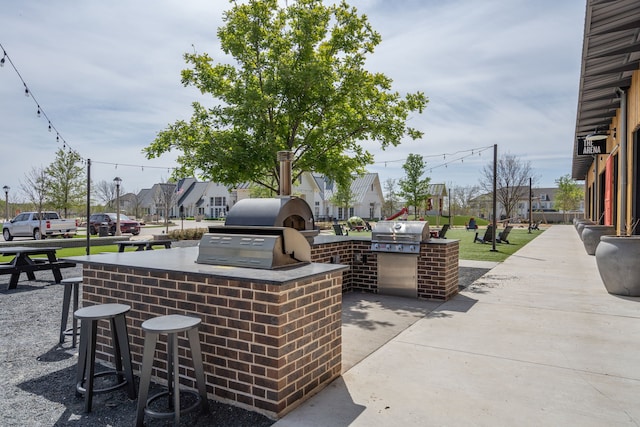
column 141, row 245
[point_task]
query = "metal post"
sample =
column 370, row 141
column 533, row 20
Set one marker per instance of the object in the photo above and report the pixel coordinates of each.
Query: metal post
column 117, row 180
column 530, row 207
column 495, row 204
column 88, row 206
column 6, row 189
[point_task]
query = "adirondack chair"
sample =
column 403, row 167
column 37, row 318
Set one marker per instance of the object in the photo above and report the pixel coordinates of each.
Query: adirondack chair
column 443, row 231
column 488, row 235
column 338, row 230
column 504, row 234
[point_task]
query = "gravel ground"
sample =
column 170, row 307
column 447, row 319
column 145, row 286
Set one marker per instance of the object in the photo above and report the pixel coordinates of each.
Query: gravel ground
column 37, row 376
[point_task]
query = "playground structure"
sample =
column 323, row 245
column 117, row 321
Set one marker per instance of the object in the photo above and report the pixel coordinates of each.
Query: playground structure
column 404, row 212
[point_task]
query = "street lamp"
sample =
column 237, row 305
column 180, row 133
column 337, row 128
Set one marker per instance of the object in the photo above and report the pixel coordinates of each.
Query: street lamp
column 118, row 180
column 6, row 189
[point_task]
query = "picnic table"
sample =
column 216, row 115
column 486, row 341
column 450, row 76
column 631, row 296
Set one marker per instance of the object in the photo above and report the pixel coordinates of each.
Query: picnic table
column 141, row 245
column 24, row 262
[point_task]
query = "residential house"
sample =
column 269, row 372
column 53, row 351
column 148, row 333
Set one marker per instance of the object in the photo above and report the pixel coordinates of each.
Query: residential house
column 367, row 203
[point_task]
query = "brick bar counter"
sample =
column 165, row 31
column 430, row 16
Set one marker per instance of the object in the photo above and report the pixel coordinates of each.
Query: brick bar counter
column 270, row 338
column 437, row 275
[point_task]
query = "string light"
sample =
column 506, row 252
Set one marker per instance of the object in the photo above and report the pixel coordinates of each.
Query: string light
column 51, row 127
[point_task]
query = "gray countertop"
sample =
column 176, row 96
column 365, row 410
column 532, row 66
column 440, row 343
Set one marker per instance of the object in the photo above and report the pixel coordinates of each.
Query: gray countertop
column 183, row 260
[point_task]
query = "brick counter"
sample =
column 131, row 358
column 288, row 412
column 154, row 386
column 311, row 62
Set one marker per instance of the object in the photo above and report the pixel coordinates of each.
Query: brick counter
column 269, row 338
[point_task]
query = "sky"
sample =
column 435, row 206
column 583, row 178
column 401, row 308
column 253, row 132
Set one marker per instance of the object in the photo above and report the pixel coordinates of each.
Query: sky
column 106, row 75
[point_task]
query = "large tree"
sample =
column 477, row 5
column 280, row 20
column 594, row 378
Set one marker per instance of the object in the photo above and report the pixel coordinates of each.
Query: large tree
column 512, row 181
column 295, row 80
column 66, row 188
column 414, row 188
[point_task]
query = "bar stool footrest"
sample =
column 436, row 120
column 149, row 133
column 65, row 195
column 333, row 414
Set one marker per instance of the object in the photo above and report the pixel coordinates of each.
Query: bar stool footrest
column 80, row 389
column 157, row 414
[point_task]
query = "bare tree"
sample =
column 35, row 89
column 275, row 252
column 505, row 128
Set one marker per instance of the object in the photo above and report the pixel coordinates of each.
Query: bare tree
column 462, row 198
column 134, row 202
column 165, row 198
column 35, row 189
column 392, row 201
column 512, row 181
column 105, row 191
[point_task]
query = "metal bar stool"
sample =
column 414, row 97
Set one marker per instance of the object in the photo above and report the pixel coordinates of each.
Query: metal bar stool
column 71, row 285
column 172, row 325
column 89, row 317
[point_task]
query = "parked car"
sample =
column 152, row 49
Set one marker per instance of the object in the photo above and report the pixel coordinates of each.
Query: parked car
column 38, row 225
column 127, row 225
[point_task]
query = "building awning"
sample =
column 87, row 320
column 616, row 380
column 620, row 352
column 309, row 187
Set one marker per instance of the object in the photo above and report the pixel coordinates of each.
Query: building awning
column 610, row 54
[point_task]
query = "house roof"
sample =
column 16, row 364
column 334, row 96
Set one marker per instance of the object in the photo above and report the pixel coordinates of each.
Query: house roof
column 610, row 54
column 194, row 194
column 437, row 189
column 359, row 186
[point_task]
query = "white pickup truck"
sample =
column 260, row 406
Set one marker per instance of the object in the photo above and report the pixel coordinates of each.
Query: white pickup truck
column 31, row 224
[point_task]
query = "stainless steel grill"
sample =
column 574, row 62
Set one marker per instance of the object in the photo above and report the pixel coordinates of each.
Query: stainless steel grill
column 398, row 246
column 399, row 236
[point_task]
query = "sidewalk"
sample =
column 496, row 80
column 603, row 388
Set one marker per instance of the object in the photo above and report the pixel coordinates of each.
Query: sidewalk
column 535, row 342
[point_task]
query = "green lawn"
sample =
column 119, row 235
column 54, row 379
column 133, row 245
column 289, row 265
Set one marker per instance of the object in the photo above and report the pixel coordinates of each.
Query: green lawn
column 518, row 237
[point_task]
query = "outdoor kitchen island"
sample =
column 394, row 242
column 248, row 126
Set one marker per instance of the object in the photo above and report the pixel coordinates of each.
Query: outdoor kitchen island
column 270, row 338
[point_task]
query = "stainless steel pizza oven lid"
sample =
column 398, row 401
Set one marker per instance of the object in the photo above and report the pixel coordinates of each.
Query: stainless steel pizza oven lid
column 287, row 211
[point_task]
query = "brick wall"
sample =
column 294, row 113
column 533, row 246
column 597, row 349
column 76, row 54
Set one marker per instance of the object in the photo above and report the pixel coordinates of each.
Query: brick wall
column 265, row 347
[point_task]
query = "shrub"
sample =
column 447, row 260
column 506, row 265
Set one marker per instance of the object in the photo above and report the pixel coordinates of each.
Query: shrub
column 187, row 234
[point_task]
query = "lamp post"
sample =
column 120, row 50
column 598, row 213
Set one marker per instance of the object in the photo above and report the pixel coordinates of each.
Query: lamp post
column 117, row 180
column 6, row 189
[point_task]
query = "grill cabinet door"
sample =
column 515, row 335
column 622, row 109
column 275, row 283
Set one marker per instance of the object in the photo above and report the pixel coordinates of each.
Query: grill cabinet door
column 397, row 274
